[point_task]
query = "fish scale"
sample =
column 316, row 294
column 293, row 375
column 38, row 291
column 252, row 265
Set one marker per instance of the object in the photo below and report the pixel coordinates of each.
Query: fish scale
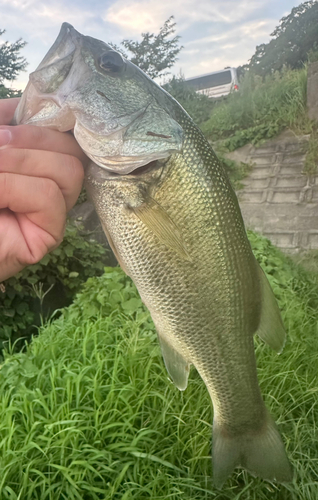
column 174, row 223
column 182, row 304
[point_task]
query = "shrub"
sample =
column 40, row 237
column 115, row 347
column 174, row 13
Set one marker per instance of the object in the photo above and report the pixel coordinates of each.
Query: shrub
column 57, row 278
column 198, row 106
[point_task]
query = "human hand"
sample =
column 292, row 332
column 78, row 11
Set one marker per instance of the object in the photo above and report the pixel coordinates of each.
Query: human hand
column 41, row 174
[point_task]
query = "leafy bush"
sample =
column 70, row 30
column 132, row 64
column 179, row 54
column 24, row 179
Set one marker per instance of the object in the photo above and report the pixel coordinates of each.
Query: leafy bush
column 261, row 109
column 63, row 270
column 88, row 411
column 198, row 106
column 289, row 281
column 313, row 54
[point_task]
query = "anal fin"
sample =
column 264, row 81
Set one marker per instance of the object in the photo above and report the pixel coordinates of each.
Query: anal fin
column 177, row 366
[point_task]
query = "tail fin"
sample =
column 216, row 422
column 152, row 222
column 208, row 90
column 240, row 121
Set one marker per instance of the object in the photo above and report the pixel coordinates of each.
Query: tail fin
column 261, row 453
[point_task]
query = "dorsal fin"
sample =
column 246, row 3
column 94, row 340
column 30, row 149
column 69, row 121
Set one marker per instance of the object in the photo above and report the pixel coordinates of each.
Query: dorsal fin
column 271, row 328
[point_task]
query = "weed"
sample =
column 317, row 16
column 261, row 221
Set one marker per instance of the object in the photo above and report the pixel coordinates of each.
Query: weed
column 261, row 109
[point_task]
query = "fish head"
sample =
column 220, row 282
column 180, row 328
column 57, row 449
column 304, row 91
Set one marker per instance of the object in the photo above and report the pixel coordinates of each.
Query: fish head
column 121, row 118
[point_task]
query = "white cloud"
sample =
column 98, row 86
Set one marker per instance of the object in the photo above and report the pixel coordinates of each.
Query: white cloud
column 41, row 20
column 252, row 31
column 137, row 17
column 148, row 15
column 23, row 5
column 233, row 47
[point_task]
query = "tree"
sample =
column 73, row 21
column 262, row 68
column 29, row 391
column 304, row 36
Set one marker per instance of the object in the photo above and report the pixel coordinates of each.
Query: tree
column 6, row 93
column 155, row 53
column 11, row 63
column 294, row 37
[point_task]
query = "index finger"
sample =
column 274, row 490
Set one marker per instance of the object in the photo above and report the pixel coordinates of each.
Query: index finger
column 35, row 137
column 46, row 139
column 7, row 109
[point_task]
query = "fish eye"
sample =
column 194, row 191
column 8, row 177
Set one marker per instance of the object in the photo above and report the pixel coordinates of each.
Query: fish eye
column 111, row 61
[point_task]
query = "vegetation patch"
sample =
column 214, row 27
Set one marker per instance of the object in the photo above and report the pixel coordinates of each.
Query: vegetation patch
column 198, row 106
column 261, row 109
column 237, row 171
column 34, row 293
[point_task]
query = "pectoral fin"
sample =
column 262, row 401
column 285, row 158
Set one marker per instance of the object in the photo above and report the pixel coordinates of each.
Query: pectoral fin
column 271, row 328
column 177, row 366
column 160, row 223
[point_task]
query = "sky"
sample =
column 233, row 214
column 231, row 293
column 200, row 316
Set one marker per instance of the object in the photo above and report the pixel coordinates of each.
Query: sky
column 214, row 33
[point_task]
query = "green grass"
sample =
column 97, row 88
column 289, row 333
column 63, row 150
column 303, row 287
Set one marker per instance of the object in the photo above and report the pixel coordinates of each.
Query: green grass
column 308, row 260
column 87, row 412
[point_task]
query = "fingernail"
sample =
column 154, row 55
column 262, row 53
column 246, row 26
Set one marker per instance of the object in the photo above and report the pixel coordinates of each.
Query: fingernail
column 5, row 137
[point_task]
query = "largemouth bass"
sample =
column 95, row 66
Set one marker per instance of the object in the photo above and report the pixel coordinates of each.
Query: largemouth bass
column 174, row 223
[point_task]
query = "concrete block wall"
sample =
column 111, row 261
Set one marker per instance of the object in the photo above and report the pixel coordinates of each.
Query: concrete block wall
column 277, row 199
